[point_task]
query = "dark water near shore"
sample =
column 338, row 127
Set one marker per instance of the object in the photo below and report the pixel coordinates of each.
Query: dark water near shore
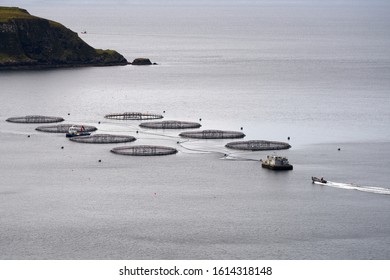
column 319, row 73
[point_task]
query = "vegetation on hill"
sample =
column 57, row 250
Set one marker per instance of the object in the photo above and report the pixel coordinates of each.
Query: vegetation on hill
column 28, row 41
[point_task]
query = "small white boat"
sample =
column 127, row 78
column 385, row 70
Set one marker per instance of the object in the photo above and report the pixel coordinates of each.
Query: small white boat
column 319, row 180
column 74, row 131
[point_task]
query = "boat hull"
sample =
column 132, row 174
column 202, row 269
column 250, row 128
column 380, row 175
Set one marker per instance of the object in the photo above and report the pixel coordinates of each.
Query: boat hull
column 70, row 135
column 277, row 167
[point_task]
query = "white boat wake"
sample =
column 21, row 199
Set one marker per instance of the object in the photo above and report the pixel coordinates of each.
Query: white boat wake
column 377, row 190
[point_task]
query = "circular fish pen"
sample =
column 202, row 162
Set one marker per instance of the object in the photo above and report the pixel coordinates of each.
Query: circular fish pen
column 35, row 119
column 258, row 145
column 144, row 150
column 170, row 125
column 64, row 128
column 103, row 139
column 212, row 134
column 133, row 116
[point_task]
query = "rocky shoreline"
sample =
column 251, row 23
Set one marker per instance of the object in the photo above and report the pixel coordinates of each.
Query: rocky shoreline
column 37, row 66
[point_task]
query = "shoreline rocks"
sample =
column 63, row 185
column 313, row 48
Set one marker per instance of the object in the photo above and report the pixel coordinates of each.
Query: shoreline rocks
column 142, row 61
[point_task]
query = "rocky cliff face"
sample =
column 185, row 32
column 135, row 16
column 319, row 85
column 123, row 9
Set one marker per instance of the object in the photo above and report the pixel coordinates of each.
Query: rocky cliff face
column 27, row 41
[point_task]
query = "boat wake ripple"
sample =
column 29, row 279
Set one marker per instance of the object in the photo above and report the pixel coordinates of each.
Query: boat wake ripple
column 377, row 190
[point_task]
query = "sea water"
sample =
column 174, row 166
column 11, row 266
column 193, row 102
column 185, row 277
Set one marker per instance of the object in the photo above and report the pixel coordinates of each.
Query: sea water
column 316, row 72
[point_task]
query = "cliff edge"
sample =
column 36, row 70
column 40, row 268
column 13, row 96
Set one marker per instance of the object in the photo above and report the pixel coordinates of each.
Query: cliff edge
column 28, row 41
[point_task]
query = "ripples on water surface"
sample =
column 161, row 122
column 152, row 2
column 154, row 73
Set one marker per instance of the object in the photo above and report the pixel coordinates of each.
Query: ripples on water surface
column 317, row 72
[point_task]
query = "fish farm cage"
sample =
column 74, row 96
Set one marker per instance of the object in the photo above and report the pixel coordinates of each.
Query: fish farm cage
column 170, row 125
column 64, row 128
column 133, row 116
column 258, row 145
column 144, row 150
column 212, row 134
column 35, row 119
column 103, row 139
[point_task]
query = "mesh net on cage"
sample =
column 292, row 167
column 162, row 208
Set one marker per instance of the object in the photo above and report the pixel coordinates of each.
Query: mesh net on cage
column 144, row 150
column 133, row 116
column 103, row 139
column 212, row 134
column 170, row 125
column 64, row 128
column 35, row 119
column 258, row 145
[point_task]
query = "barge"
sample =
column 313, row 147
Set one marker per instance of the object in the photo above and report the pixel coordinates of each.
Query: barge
column 276, row 163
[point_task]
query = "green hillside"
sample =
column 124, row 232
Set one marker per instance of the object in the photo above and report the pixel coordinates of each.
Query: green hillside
column 28, row 41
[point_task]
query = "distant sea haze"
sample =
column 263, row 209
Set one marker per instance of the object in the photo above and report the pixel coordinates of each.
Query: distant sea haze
column 314, row 71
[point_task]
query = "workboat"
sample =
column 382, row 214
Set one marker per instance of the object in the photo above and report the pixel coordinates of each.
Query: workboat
column 74, row 131
column 276, row 163
column 319, row 180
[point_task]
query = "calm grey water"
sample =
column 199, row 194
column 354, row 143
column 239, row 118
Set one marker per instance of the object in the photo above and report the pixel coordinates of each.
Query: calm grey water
column 317, row 72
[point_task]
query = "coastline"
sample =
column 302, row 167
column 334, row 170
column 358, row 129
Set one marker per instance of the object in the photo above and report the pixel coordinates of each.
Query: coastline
column 57, row 66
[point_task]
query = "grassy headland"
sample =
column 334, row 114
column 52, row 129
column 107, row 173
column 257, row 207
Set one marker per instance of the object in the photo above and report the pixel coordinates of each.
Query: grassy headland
column 28, row 41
